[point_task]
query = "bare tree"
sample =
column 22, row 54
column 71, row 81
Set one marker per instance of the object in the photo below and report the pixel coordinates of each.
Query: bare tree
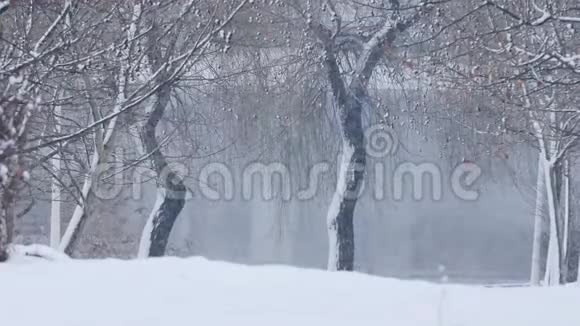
column 522, row 55
column 171, row 190
column 353, row 39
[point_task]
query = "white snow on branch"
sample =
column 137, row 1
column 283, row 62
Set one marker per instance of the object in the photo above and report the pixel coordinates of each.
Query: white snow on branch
column 51, row 29
column 569, row 19
column 546, row 15
column 4, row 5
column 544, row 18
column 374, row 42
column 572, row 60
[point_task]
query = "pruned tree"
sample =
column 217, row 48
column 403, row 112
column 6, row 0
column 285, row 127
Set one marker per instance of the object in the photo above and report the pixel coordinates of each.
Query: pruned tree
column 352, row 39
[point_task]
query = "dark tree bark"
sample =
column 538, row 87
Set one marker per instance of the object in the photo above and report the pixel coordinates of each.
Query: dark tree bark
column 558, row 178
column 565, row 229
column 573, row 245
column 169, row 183
column 573, row 255
column 341, row 215
column 6, row 218
column 167, row 215
column 14, row 113
column 353, row 174
column 349, row 98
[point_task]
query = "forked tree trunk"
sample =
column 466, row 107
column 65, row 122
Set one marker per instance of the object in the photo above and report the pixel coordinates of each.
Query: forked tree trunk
column 340, row 215
column 103, row 146
column 76, row 226
column 350, row 94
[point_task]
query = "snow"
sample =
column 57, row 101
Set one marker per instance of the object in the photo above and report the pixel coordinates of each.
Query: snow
column 4, row 4
column 3, row 173
column 172, row 291
column 545, row 16
column 30, row 253
column 571, row 60
column 13, row 80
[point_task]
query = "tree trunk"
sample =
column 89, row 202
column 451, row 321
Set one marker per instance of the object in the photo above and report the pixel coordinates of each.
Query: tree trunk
column 540, row 230
column 349, row 100
column 55, row 201
column 70, row 240
column 55, row 207
column 6, row 218
column 555, row 271
column 576, row 266
column 570, row 228
column 171, row 190
column 103, row 142
column 573, row 251
column 552, row 261
column 564, row 172
column 3, row 236
column 14, row 115
column 169, row 204
column 351, row 174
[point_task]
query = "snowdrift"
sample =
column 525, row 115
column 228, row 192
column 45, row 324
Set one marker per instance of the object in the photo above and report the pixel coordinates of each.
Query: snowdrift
column 172, row 291
column 20, row 254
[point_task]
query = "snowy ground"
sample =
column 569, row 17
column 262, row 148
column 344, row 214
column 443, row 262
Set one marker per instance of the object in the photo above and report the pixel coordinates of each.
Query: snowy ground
column 194, row 291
